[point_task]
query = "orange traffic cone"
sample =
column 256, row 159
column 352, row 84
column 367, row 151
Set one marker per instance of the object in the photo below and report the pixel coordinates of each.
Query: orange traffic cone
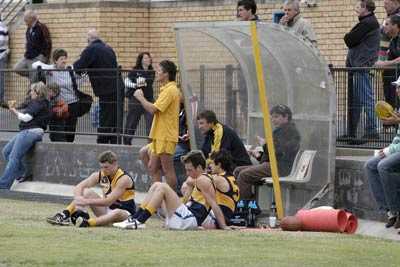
column 352, row 223
column 324, row 220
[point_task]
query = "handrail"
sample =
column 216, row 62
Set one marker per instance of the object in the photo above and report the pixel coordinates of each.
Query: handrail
column 12, row 10
column 6, row 6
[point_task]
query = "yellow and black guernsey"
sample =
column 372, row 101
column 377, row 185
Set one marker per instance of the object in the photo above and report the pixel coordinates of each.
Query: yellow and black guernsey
column 126, row 201
column 197, row 203
column 227, row 200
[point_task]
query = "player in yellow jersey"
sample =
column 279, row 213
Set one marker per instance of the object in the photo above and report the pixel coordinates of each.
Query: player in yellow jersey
column 227, row 191
column 116, row 204
column 165, row 127
column 180, row 216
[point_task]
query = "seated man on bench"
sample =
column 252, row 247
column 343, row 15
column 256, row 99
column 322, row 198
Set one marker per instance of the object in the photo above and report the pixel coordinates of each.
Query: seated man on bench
column 287, row 143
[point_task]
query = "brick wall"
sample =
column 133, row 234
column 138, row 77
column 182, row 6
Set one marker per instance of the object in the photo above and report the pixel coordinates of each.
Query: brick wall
column 134, row 26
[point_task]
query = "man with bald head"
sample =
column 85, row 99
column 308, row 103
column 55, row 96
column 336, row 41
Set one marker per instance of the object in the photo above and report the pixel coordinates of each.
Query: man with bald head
column 37, row 47
column 107, row 85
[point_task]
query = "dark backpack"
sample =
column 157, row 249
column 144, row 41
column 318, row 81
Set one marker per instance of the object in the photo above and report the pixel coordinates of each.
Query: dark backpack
column 84, row 100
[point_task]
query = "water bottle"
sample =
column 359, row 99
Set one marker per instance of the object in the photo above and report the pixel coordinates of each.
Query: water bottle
column 240, row 206
column 251, row 222
column 272, row 216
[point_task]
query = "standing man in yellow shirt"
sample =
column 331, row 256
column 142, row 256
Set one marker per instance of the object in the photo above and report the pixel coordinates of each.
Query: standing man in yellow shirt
column 165, row 128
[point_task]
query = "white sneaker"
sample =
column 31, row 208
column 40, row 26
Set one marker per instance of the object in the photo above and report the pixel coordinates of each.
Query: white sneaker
column 130, row 223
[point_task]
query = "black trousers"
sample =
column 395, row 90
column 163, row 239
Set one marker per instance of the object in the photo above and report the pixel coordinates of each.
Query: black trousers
column 389, row 89
column 64, row 125
column 110, row 115
column 135, row 112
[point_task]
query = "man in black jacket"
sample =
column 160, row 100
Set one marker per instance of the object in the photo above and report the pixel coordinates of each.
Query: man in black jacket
column 392, row 7
column 286, row 142
column 106, row 83
column 37, row 47
column 363, row 43
column 218, row 136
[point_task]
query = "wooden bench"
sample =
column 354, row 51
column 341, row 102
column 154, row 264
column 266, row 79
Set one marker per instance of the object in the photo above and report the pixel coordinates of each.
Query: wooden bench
column 299, row 174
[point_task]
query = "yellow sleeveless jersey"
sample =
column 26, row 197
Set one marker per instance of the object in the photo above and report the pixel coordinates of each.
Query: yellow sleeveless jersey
column 197, row 203
column 228, row 200
column 109, row 183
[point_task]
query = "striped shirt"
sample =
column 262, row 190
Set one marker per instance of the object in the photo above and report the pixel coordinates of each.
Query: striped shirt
column 3, row 40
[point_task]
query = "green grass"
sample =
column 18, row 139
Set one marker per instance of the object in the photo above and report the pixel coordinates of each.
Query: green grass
column 27, row 240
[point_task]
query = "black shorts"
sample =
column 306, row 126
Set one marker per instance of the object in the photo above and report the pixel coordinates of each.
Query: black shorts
column 129, row 206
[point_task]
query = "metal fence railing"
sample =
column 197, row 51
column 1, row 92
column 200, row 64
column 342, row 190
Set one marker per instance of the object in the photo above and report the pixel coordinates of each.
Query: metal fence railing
column 16, row 87
column 357, row 91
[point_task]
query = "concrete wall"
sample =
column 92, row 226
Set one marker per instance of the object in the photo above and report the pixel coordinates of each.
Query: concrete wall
column 70, row 163
column 351, row 187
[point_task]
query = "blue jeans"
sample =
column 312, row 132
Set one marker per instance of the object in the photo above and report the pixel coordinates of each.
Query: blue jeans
column 384, row 181
column 180, row 151
column 363, row 97
column 14, row 152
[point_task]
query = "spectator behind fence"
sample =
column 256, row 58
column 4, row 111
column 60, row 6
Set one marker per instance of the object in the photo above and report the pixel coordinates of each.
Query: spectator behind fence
column 296, row 23
column 363, row 43
column 286, row 139
column 391, row 7
column 64, row 119
column 37, row 47
column 392, row 30
column 34, row 117
column 115, row 205
column 218, row 136
column 246, row 10
column 383, row 174
column 4, row 51
column 165, row 127
column 142, row 70
column 107, row 85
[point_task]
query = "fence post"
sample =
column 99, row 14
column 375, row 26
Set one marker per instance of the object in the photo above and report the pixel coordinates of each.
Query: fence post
column 351, row 129
column 120, row 106
column 229, row 95
column 202, row 85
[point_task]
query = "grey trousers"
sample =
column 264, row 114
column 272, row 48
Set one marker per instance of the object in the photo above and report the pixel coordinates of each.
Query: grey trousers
column 24, row 67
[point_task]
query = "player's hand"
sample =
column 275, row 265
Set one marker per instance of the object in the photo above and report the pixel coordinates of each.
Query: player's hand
column 391, row 120
column 138, row 93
